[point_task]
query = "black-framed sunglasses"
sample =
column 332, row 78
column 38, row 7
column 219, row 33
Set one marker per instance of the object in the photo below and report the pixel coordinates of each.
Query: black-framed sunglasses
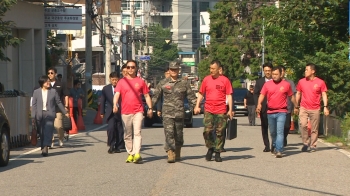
column 50, row 73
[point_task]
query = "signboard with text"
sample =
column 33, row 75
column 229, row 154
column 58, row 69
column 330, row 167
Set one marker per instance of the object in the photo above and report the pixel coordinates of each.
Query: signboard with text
column 63, row 18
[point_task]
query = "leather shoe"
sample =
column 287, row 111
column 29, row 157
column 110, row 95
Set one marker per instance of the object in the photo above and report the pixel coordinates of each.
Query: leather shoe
column 267, row 149
column 111, row 150
column 217, row 157
column 117, row 151
column 45, row 151
column 209, row 155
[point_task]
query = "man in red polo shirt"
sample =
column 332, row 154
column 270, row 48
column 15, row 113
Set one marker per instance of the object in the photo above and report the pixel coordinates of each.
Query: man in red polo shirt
column 310, row 90
column 216, row 88
column 277, row 92
column 130, row 89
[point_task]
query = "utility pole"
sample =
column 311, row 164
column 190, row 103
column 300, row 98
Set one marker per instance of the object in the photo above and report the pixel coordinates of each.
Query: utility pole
column 263, row 48
column 108, row 68
column 146, row 38
column 132, row 29
column 88, row 49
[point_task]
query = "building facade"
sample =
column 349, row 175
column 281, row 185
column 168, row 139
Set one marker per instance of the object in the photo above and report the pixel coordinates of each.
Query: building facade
column 28, row 59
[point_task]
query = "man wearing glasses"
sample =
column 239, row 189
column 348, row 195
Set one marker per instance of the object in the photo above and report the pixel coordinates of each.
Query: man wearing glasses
column 63, row 93
column 130, row 88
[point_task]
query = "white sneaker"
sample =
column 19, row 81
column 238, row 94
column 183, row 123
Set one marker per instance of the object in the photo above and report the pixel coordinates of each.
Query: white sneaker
column 60, row 143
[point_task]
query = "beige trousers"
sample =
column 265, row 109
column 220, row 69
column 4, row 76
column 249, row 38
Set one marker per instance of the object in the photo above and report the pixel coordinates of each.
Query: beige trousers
column 132, row 127
column 314, row 116
column 59, row 127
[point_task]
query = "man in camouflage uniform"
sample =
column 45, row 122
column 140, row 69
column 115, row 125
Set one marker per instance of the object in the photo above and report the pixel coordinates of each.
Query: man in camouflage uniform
column 174, row 91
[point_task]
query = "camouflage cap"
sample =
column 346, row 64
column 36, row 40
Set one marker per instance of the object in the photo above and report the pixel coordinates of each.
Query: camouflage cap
column 174, row 65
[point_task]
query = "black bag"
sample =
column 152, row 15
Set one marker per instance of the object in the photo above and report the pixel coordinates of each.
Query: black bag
column 231, row 129
column 67, row 123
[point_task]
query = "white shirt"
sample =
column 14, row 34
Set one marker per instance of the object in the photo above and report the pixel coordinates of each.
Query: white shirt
column 52, row 83
column 44, row 93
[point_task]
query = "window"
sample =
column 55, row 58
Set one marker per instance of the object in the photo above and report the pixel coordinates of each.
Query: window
column 127, row 20
column 125, row 5
column 203, row 6
column 194, row 21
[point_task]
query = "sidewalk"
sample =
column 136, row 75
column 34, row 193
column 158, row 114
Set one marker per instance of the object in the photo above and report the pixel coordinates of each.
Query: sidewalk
column 89, row 125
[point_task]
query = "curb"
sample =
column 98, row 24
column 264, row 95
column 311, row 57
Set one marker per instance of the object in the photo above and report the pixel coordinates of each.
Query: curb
column 346, row 153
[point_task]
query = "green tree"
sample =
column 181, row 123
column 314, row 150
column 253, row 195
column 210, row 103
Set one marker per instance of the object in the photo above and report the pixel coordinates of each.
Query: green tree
column 235, row 38
column 6, row 37
column 163, row 52
column 53, row 50
column 312, row 31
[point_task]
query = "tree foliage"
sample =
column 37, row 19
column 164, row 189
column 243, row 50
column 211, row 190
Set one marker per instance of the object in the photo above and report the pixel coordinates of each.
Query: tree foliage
column 296, row 33
column 53, row 50
column 163, row 52
column 6, row 37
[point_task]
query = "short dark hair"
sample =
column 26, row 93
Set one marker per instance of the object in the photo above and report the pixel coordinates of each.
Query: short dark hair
column 131, row 61
column 282, row 67
column 75, row 82
column 277, row 68
column 59, row 75
column 113, row 75
column 42, row 80
column 267, row 64
column 217, row 62
column 312, row 66
column 124, row 66
column 53, row 69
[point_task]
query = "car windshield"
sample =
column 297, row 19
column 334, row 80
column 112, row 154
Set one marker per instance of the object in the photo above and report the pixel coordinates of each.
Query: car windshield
column 239, row 94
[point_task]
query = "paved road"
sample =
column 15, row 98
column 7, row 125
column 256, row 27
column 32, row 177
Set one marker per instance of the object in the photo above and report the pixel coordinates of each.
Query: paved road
column 83, row 167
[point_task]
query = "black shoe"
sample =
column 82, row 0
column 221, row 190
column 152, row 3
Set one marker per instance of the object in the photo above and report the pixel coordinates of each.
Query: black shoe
column 117, row 151
column 209, row 155
column 267, row 149
column 273, row 150
column 45, row 151
column 285, row 142
column 304, row 148
column 111, row 150
column 217, row 157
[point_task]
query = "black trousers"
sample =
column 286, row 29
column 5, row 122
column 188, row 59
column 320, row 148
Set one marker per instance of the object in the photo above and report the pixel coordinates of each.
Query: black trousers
column 265, row 128
column 115, row 132
column 287, row 125
column 75, row 114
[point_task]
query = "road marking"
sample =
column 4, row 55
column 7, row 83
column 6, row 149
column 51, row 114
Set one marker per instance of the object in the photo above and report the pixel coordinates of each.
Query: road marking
column 39, row 148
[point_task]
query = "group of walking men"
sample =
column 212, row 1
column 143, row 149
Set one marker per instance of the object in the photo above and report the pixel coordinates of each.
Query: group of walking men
column 277, row 99
column 274, row 97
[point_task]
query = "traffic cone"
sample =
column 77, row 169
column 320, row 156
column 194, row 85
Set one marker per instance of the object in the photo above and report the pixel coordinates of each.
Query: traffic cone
column 74, row 129
column 80, row 123
column 98, row 119
column 309, row 127
column 292, row 127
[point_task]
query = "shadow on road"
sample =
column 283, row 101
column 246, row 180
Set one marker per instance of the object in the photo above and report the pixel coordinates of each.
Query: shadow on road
column 14, row 164
column 261, row 179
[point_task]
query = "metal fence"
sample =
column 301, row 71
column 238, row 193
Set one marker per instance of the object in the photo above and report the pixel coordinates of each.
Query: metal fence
column 17, row 110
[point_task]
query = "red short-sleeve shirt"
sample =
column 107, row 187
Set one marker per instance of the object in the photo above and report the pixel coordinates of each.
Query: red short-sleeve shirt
column 277, row 94
column 215, row 90
column 311, row 91
column 131, row 91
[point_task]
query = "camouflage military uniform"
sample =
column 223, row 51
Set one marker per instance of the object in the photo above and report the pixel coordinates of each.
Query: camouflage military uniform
column 174, row 93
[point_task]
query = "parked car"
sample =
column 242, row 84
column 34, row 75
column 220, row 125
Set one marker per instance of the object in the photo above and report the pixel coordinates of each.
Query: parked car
column 238, row 101
column 4, row 137
column 148, row 122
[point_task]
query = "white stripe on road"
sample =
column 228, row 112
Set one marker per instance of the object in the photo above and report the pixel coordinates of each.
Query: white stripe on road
column 39, row 148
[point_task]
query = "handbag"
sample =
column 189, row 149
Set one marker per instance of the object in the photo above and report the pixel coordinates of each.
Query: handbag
column 34, row 135
column 66, row 123
column 231, row 129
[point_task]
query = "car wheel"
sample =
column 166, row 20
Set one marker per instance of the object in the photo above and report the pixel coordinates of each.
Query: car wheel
column 147, row 123
column 4, row 147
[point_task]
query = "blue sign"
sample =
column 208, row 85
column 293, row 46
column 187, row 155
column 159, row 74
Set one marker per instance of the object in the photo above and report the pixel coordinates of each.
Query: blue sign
column 145, row 58
column 207, row 38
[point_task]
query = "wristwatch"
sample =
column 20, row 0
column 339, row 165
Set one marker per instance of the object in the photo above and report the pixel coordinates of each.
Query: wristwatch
column 297, row 107
column 325, row 106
